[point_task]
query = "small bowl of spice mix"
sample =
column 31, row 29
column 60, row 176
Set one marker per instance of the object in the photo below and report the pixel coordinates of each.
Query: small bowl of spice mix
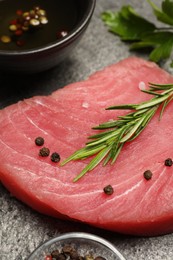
column 76, row 246
column 37, row 35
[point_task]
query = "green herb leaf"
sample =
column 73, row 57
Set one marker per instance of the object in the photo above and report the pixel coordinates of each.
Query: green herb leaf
column 166, row 14
column 127, row 23
column 141, row 33
column 107, row 145
column 161, row 42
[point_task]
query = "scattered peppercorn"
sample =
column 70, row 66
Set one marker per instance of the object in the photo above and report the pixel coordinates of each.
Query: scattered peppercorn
column 148, row 174
column 55, row 157
column 67, row 249
column 55, row 253
column 108, row 190
column 61, row 256
column 44, row 152
column 70, row 253
column 168, row 162
column 25, row 21
column 39, row 141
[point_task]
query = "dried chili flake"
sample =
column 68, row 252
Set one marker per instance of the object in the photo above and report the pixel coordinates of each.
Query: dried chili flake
column 44, row 152
column 148, row 175
column 168, row 162
column 108, row 190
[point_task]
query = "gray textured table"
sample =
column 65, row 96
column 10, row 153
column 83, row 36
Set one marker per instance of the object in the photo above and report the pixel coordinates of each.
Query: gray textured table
column 21, row 228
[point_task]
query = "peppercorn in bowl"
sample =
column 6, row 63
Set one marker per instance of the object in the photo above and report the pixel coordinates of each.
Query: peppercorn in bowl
column 37, row 35
column 76, row 245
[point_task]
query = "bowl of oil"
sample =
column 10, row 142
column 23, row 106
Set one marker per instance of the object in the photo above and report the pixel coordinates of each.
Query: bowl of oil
column 36, row 35
column 77, row 245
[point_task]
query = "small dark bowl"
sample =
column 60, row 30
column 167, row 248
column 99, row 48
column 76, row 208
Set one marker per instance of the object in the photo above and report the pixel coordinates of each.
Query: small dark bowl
column 46, row 56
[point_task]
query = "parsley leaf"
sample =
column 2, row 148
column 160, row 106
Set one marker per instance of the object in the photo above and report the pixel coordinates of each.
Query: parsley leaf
column 127, row 23
column 166, row 14
column 140, row 32
column 161, row 42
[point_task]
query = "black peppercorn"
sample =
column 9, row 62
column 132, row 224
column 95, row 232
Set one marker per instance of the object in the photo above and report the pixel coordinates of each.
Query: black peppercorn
column 39, row 141
column 148, row 175
column 44, row 152
column 108, row 190
column 69, row 252
column 55, row 254
column 168, row 162
column 55, row 157
column 61, row 256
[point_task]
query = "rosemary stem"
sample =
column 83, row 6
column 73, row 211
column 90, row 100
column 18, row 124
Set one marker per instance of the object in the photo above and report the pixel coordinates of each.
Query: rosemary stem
column 107, row 144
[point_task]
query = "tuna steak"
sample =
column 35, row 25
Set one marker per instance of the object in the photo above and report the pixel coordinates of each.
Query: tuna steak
column 64, row 119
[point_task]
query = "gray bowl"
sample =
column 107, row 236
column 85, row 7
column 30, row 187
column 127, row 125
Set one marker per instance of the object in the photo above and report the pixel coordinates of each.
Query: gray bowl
column 47, row 56
column 83, row 243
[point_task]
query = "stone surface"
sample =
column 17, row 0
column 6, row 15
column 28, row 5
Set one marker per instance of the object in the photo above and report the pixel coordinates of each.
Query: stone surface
column 21, row 228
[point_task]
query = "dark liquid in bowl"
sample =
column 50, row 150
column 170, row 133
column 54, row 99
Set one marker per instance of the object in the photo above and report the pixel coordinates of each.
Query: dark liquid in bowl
column 62, row 16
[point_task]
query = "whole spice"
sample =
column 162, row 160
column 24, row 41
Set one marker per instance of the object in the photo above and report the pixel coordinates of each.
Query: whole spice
column 55, row 254
column 168, row 162
column 44, row 152
column 55, row 157
column 68, row 252
column 67, row 249
column 61, row 256
column 105, row 147
column 108, row 190
column 148, row 174
column 25, row 21
column 39, row 141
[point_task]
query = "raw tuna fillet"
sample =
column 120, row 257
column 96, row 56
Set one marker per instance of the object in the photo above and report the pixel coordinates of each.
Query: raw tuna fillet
column 64, row 119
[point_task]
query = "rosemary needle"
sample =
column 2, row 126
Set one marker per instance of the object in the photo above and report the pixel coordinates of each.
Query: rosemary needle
column 107, row 145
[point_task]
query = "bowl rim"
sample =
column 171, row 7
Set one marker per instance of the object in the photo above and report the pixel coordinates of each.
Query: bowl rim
column 72, row 34
column 83, row 235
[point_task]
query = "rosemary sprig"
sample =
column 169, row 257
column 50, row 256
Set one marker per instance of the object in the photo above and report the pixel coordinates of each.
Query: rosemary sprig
column 106, row 145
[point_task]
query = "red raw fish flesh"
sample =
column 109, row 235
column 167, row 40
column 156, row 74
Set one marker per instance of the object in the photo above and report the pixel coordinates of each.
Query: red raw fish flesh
column 64, row 119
